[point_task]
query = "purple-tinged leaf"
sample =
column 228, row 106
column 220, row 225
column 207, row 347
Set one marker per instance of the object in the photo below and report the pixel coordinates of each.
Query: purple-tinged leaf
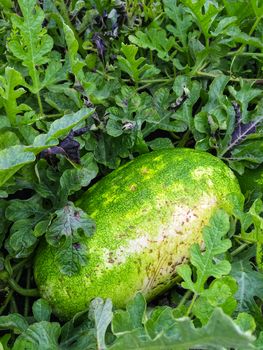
column 241, row 130
column 69, row 222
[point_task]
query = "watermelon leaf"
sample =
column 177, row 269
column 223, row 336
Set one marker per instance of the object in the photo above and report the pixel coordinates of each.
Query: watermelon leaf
column 204, row 262
column 161, row 330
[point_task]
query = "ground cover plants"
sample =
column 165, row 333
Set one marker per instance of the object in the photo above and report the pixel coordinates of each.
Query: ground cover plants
column 86, row 86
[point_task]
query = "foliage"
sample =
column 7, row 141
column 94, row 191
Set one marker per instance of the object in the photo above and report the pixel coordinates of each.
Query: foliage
column 85, row 86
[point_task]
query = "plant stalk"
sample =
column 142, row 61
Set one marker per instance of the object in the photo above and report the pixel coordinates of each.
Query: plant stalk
column 23, row 291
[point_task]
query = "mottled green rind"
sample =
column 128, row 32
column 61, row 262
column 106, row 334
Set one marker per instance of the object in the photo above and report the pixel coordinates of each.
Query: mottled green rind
column 252, row 180
column 148, row 213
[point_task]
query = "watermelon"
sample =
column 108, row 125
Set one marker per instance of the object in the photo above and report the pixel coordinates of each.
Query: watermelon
column 147, row 213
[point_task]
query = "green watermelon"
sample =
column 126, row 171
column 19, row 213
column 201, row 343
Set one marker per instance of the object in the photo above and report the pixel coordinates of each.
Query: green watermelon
column 147, row 213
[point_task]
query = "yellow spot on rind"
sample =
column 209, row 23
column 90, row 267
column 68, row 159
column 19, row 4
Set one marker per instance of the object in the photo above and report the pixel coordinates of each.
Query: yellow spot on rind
column 133, row 187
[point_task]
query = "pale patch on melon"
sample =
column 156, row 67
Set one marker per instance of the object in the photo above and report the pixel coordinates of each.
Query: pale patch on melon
column 179, row 231
column 51, row 289
column 200, row 172
column 207, row 202
column 162, row 273
column 182, row 215
column 181, row 225
column 134, row 246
